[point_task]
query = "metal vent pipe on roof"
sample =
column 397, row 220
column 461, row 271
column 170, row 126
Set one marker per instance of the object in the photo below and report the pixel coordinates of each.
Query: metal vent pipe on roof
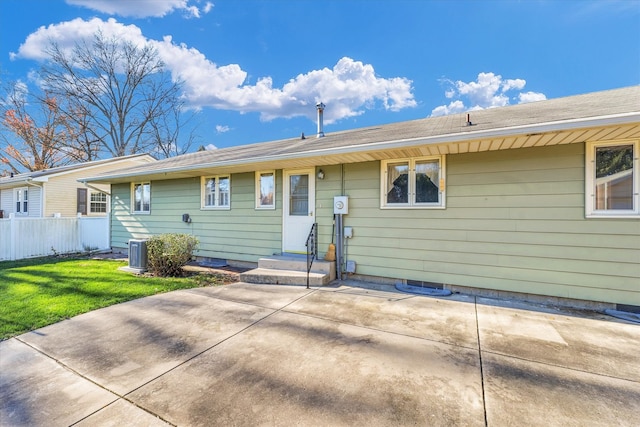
column 320, row 108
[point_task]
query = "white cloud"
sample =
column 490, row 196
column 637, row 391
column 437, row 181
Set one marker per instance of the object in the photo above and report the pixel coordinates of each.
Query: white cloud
column 509, row 84
column 222, row 128
column 525, row 97
column 453, row 108
column 348, row 89
column 143, row 8
column 210, row 147
column 488, row 91
column 67, row 34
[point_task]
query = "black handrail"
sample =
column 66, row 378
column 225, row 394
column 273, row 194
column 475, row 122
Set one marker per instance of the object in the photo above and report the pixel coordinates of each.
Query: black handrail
column 312, row 248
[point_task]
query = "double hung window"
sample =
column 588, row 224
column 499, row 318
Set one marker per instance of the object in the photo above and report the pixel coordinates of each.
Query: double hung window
column 21, row 198
column 142, row 197
column 216, row 192
column 413, row 183
column 98, row 203
column 613, row 180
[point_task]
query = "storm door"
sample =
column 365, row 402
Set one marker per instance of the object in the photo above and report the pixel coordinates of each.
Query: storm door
column 298, row 209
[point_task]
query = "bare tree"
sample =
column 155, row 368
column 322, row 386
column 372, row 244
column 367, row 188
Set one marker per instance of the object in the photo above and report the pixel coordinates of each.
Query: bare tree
column 166, row 133
column 36, row 132
column 123, row 90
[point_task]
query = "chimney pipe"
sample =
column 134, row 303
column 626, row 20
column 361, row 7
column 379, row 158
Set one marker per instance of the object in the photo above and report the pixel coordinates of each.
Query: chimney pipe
column 320, row 108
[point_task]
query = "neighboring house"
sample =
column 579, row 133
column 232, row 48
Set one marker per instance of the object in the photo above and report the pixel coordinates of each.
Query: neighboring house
column 538, row 199
column 57, row 191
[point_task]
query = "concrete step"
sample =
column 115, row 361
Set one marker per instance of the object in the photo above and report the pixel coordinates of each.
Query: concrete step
column 298, row 263
column 283, row 277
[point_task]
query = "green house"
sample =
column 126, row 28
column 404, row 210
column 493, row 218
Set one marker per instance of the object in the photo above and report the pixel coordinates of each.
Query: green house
column 539, row 200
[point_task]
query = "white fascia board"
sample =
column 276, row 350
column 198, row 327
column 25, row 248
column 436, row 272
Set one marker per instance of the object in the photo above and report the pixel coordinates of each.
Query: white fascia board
column 624, row 118
column 15, row 182
column 495, row 133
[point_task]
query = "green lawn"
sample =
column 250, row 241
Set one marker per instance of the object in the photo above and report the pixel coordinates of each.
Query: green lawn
column 38, row 292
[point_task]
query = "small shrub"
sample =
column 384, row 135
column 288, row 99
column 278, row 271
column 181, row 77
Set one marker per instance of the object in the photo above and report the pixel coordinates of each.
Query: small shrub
column 168, row 253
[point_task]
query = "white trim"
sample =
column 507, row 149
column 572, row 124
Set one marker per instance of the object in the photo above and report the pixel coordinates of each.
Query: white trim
column 258, row 192
column 458, row 138
column 133, row 198
column 286, row 229
column 411, row 163
column 15, row 201
column 106, row 202
column 591, row 181
column 203, row 194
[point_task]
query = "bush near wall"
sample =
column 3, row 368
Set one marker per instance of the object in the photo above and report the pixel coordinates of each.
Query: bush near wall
column 168, row 253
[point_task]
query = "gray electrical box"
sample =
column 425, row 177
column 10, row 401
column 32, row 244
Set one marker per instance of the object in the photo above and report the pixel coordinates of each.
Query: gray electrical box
column 341, row 205
column 348, row 232
column 351, row 267
column 138, row 255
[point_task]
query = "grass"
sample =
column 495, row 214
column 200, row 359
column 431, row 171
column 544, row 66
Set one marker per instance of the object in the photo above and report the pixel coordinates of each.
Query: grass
column 38, row 292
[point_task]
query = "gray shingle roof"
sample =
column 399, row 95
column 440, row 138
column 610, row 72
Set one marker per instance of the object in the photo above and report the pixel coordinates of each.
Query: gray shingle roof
column 624, row 103
column 60, row 169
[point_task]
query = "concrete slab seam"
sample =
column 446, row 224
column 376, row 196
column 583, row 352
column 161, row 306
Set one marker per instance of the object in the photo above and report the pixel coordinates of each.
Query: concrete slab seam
column 74, row 372
column 275, row 311
column 124, row 397
column 484, row 399
column 126, row 400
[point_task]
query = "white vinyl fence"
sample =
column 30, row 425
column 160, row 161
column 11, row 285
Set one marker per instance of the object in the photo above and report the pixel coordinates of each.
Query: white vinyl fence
column 33, row 237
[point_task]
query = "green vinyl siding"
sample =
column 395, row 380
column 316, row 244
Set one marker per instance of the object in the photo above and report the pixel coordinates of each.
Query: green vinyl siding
column 241, row 233
column 514, row 222
column 326, row 189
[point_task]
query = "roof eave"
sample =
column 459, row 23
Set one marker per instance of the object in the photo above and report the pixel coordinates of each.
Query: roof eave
column 458, row 137
column 12, row 182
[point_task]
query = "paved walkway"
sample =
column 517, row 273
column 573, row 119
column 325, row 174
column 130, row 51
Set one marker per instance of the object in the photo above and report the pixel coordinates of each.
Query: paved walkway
column 245, row 355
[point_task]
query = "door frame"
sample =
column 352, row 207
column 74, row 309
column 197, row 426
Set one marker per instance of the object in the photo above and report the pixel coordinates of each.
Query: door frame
column 286, row 173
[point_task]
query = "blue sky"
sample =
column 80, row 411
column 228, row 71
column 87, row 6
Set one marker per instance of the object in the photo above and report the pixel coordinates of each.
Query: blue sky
column 254, row 70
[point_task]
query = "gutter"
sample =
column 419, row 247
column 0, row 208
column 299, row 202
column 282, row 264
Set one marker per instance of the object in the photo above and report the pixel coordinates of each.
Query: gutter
column 460, row 137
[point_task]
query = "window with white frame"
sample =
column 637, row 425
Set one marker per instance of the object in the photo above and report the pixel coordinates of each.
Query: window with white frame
column 413, row 183
column 613, row 179
column 266, row 190
column 21, row 199
column 98, row 203
column 142, row 197
column 216, row 192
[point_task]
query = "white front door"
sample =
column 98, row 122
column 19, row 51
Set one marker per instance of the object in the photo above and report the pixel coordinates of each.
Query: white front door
column 298, row 209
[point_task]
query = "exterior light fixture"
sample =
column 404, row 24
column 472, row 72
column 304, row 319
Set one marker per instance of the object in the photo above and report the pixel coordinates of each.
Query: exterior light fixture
column 320, row 174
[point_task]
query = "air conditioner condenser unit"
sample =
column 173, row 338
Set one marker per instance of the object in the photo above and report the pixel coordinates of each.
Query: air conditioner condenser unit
column 138, row 255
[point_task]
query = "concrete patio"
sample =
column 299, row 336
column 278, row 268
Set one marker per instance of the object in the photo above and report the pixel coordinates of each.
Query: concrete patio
column 344, row 355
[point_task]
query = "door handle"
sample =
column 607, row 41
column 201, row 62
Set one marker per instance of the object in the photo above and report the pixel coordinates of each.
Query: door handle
column 310, row 213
